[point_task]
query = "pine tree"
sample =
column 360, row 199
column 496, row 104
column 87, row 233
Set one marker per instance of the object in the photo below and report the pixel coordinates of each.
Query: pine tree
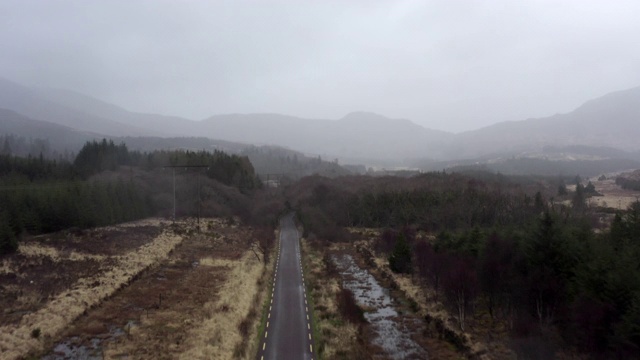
column 8, row 240
column 400, row 259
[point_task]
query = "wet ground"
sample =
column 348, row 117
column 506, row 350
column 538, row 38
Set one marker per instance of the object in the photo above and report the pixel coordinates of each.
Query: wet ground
column 159, row 308
column 393, row 330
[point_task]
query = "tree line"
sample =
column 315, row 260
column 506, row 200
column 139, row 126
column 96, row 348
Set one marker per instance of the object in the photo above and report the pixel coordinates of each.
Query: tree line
column 38, row 195
column 232, row 170
column 535, row 266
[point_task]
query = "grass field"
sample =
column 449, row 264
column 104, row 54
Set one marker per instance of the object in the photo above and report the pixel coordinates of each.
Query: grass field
column 146, row 289
column 613, row 195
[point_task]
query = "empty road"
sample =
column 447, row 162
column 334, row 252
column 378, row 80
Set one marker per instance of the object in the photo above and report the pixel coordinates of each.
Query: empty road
column 288, row 334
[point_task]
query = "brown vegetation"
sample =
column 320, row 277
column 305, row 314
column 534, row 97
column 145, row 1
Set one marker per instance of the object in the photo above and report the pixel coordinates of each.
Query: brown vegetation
column 336, row 336
column 179, row 293
column 480, row 339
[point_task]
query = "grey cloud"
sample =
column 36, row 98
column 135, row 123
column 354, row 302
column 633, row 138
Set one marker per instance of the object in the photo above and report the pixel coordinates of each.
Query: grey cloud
column 450, row 65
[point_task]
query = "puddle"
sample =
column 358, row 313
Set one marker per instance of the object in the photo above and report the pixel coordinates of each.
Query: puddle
column 393, row 335
column 77, row 348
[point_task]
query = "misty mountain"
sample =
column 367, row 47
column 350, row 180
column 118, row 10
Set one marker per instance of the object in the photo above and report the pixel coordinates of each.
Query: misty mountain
column 32, row 104
column 60, row 138
column 609, row 121
column 25, row 136
column 357, row 136
column 148, row 124
column 360, row 137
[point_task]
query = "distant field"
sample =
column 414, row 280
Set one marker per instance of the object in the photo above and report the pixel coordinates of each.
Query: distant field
column 613, row 195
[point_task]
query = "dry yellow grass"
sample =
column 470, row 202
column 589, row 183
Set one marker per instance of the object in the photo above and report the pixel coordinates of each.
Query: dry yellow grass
column 337, row 336
column 6, row 267
column 57, row 314
column 33, row 250
column 208, row 261
column 613, row 195
column 217, row 336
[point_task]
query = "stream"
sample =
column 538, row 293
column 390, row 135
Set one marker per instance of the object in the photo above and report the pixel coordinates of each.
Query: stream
column 393, row 335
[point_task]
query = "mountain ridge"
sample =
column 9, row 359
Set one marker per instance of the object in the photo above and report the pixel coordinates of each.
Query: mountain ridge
column 360, row 136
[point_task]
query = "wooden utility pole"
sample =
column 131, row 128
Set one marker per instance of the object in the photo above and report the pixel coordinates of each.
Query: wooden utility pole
column 173, row 167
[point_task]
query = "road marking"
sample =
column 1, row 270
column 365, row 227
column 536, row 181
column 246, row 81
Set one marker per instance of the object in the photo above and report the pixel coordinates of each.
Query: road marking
column 269, row 316
column 306, row 309
column 307, row 316
column 264, row 345
column 272, row 300
column 266, row 333
column 269, row 308
column 310, row 348
column 267, row 324
column 308, row 326
column 309, row 336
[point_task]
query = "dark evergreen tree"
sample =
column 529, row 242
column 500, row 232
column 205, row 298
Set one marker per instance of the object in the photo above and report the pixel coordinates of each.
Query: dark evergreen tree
column 8, row 239
column 400, row 258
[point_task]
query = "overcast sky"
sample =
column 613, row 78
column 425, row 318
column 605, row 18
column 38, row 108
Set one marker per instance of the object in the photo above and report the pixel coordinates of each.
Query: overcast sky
column 449, row 65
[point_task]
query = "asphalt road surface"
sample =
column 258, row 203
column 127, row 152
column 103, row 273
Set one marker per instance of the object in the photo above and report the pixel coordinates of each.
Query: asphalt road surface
column 288, row 334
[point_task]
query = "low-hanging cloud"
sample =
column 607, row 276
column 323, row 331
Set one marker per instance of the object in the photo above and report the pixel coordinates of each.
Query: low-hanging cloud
column 451, row 65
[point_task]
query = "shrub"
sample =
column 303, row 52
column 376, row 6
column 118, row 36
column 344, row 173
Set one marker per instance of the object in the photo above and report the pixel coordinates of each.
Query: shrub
column 348, row 307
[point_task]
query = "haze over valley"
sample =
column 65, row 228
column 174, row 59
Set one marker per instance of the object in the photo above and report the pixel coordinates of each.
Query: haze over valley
column 605, row 127
column 286, row 180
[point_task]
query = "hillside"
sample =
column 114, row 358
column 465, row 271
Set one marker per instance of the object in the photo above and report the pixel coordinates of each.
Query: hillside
column 358, row 138
column 53, row 138
column 149, row 123
column 609, row 121
column 29, row 103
